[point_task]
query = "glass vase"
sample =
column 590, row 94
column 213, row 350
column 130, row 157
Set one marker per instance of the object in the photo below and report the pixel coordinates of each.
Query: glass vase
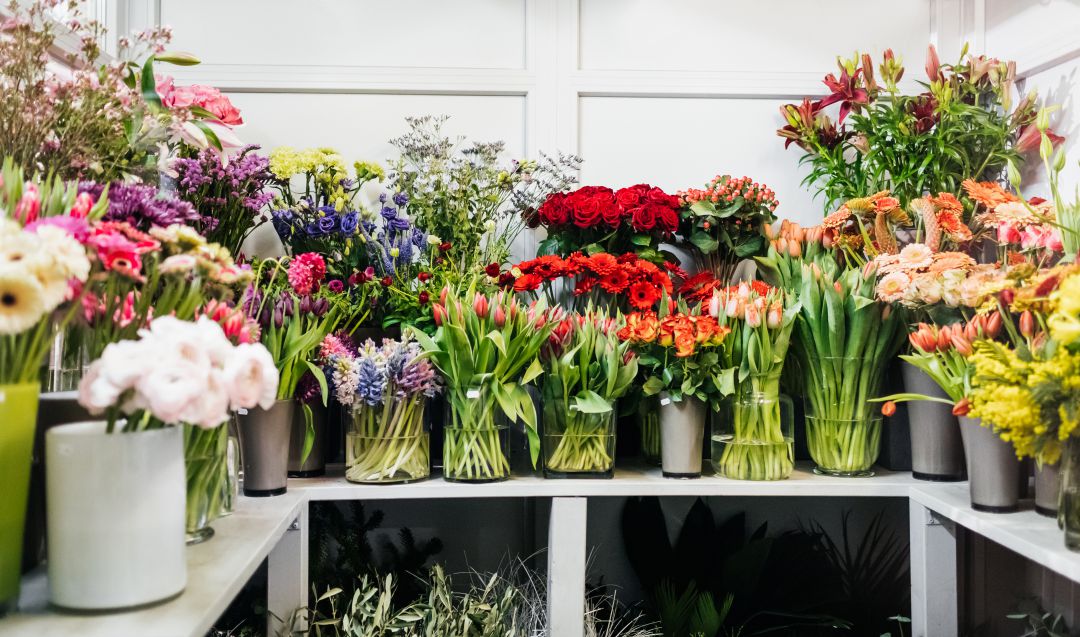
column 206, row 463
column 1069, row 504
column 753, row 434
column 843, row 429
column 476, row 438
column 387, row 443
column 648, row 418
column 577, row 444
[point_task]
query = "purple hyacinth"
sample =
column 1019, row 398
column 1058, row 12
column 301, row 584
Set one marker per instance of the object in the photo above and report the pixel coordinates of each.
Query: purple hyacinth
column 371, row 383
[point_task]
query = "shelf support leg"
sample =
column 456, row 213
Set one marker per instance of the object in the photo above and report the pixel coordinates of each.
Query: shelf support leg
column 287, row 575
column 933, row 573
column 566, row 566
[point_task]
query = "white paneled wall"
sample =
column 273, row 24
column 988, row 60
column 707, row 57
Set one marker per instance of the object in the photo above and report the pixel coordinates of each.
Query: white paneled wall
column 672, row 92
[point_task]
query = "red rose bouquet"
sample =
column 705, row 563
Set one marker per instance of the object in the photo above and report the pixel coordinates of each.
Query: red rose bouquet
column 627, row 281
column 726, row 222
column 596, row 218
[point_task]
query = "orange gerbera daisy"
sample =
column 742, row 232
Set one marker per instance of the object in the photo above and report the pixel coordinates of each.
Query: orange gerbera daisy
column 987, row 193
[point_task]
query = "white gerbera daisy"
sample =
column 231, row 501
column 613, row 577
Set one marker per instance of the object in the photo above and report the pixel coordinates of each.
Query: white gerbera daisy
column 67, row 254
column 21, row 300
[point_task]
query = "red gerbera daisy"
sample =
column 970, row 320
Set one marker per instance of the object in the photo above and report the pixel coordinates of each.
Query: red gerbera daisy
column 574, row 264
column 643, row 296
column 615, row 281
column 548, row 267
column 602, row 263
column 527, row 283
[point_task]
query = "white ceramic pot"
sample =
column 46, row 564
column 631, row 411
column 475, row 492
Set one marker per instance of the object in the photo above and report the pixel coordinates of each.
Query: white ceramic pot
column 115, row 516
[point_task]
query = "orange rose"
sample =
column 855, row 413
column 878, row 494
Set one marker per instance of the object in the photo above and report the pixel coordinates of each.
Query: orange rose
column 720, row 334
column 684, row 343
column 647, row 328
column 706, row 326
column 666, row 333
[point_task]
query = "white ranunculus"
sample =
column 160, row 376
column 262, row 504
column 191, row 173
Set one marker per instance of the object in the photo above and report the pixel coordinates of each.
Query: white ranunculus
column 214, row 406
column 124, row 362
column 251, row 378
column 213, row 339
column 173, row 390
column 96, row 393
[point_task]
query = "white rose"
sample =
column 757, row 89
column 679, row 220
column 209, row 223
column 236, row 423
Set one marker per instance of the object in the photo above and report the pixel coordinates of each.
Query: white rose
column 250, row 377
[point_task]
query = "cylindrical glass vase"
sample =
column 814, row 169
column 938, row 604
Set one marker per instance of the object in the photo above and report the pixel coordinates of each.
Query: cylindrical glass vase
column 476, row 440
column 1069, row 512
column 387, row 442
column 207, row 469
column 648, row 418
column 753, row 434
column 843, row 429
column 577, row 444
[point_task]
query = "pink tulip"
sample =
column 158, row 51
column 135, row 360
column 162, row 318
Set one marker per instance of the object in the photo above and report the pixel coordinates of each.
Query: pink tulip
column 772, row 319
column 500, row 316
column 480, row 305
column 83, row 203
column 438, row 312
column 753, row 316
column 29, row 205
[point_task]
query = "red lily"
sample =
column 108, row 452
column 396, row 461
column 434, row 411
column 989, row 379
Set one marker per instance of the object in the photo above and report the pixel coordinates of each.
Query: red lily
column 845, row 90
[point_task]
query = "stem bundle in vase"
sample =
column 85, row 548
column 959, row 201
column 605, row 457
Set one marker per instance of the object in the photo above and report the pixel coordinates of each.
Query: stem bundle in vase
column 587, row 368
column 487, row 351
column 386, row 387
column 755, row 442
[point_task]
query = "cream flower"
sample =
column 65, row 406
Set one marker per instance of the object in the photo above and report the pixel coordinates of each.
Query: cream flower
column 892, row 286
column 66, row 253
column 926, row 289
column 21, row 300
column 915, row 256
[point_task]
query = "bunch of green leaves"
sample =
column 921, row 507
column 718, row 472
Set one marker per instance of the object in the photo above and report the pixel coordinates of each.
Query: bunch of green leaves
column 723, row 233
column 585, row 363
column 1039, row 623
column 462, row 193
column 490, row 344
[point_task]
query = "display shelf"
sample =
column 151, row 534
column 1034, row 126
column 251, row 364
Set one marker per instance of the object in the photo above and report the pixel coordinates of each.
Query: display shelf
column 628, row 481
column 217, row 570
column 1025, row 532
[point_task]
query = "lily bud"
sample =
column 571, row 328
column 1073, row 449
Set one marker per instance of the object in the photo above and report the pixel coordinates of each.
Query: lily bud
column 1027, row 323
column 933, row 64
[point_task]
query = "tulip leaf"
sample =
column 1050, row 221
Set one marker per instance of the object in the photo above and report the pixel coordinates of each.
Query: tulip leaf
column 534, row 370
column 320, row 377
column 590, row 402
column 496, row 337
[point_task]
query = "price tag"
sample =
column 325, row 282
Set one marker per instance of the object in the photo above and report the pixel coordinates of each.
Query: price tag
column 241, row 411
column 664, row 402
column 472, row 393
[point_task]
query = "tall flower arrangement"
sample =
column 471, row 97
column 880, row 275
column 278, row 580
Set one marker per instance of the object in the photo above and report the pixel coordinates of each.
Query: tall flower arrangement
column 596, row 218
column 487, row 351
column 230, row 199
column 324, row 215
column 726, row 222
column 462, row 193
column 964, row 124
column 586, row 369
column 757, row 444
column 386, row 387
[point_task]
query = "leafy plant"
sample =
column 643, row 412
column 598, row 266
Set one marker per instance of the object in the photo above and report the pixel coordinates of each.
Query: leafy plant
column 1039, row 622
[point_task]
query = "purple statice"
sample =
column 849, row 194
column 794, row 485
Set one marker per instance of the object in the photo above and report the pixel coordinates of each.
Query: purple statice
column 229, row 197
column 142, row 205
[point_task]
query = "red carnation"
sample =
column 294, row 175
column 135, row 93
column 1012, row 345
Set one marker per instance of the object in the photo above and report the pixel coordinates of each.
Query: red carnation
column 387, row 281
column 445, row 246
column 506, row 280
column 424, row 277
column 492, row 270
column 423, row 297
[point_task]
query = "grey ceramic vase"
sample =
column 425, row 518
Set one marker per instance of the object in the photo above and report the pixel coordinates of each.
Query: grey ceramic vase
column 315, row 464
column 993, row 468
column 264, row 448
column 682, row 432
column 937, row 451
column 1047, row 489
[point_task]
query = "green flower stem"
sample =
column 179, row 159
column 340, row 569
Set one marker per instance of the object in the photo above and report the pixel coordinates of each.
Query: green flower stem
column 205, row 461
column 758, row 448
column 472, row 448
column 577, row 442
column 649, row 421
column 387, row 442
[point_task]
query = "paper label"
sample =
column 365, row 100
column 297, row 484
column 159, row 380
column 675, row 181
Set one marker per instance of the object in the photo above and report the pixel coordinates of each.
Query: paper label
column 664, row 402
column 241, row 411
